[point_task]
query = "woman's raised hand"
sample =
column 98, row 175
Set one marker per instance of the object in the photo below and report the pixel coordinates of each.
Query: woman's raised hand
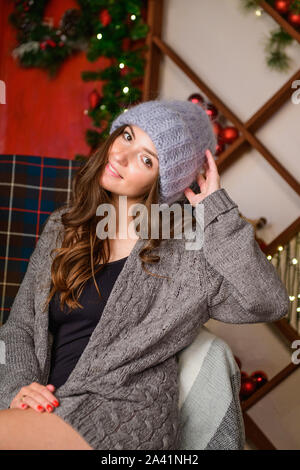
column 207, row 184
column 37, row 396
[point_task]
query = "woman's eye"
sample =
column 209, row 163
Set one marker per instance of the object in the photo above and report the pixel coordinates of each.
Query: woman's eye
column 149, row 159
column 125, row 132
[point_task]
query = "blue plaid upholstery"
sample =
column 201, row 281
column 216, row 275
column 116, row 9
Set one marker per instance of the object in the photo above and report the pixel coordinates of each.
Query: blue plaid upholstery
column 31, row 188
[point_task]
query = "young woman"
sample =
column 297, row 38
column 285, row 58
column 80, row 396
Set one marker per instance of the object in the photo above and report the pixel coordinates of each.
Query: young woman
column 97, row 324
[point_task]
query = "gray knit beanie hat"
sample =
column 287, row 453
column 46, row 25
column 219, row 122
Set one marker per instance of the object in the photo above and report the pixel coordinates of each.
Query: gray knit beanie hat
column 181, row 132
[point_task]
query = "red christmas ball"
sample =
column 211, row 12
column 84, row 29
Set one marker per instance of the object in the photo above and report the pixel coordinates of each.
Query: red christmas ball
column 282, row 6
column 43, row 45
column 294, row 19
column 105, row 17
column 51, row 43
column 220, row 147
column 229, row 134
column 237, row 360
column 211, row 111
column 196, row 98
column 248, row 386
column 217, row 128
column 124, row 71
column 260, row 377
column 94, row 99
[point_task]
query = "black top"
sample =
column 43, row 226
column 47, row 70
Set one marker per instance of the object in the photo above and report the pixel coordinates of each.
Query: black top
column 72, row 330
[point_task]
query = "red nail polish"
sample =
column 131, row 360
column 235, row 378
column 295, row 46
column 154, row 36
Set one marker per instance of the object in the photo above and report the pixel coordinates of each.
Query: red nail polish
column 23, row 405
column 49, row 408
column 55, row 403
column 40, row 408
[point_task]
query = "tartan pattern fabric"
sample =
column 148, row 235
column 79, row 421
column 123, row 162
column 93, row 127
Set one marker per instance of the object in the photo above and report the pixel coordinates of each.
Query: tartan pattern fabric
column 31, row 188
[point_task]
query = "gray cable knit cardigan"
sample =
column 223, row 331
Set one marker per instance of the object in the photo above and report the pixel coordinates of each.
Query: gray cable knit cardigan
column 123, row 392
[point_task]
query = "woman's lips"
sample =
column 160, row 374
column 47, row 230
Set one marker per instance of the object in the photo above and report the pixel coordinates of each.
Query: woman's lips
column 111, row 171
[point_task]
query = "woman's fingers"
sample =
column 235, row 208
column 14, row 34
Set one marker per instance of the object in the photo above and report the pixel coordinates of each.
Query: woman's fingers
column 21, row 405
column 190, row 195
column 201, row 180
column 211, row 161
column 44, row 390
column 208, row 183
column 39, row 397
column 33, row 402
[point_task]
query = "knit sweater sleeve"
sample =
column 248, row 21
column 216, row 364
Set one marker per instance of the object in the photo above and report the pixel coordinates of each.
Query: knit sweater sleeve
column 20, row 366
column 242, row 284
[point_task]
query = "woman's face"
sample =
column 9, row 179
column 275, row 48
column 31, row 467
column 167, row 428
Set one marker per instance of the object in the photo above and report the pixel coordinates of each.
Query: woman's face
column 134, row 157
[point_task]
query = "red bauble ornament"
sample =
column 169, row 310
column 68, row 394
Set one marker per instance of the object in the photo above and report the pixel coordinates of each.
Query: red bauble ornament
column 248, row 386
column 211, row 111
column 43, row 45
column 220, row 147
column 260, row 377
column 294, row 19
column 244, row 375
column 282, row 6
column 124, row 71
column 229, row 134
column 125, row 44
column 217, row 128
column 94, row 99
column 196, row 98
column 51, row 43
column 237, row 360
column 105, row 17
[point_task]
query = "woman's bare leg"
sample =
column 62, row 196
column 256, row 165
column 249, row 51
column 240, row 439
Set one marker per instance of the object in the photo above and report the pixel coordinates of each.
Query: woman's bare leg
column 30, row 430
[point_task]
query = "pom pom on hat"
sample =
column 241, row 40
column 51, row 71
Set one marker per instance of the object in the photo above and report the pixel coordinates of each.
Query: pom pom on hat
column 181, row 132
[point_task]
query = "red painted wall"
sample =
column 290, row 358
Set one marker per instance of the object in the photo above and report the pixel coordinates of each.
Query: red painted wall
column 43, row 116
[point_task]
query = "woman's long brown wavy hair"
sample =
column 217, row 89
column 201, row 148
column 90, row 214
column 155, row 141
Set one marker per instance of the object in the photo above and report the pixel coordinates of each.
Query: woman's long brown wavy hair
column 81, row 249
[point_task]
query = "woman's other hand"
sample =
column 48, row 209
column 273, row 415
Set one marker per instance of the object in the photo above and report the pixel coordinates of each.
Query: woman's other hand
column 207, row 184
column 37, row 396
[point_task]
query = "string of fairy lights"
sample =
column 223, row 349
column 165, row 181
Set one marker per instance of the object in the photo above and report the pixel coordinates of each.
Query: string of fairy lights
column 286, row 261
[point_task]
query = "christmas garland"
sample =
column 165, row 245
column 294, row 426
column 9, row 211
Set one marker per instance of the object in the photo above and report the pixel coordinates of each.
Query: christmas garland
column 109, row 28
column 279, row 39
